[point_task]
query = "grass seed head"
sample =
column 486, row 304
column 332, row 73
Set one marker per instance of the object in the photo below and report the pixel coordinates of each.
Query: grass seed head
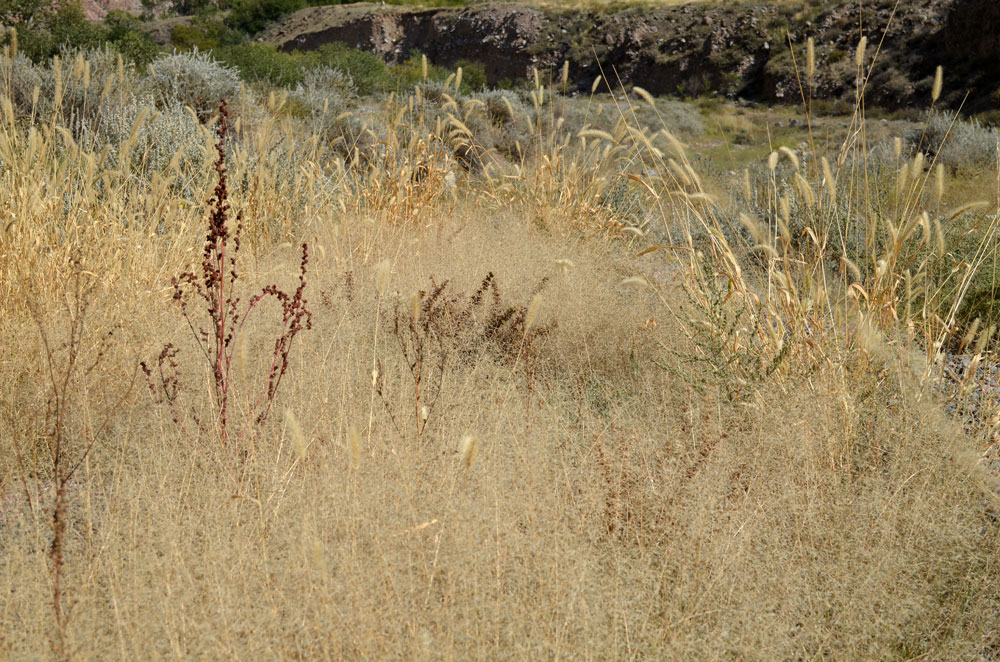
column 296, row 433
column 529, row 317
column 810, row 58
column 382, row 277
column 468, row 448
column 354, row 446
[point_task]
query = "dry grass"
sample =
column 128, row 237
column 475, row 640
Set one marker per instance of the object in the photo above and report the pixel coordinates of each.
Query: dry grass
column 825, row 509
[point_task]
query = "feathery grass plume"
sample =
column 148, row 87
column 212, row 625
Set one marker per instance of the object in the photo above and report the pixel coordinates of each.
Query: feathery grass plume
column 939, row 235
column 791, row 155
column 529, row 317
column 939, row 181
column 772, row 161
column 468, row 448
column 593, row 86
column 938, row 84
column 458, row 79
column 970, row 335
column 382, row 277
column 805, row 189
column 785, row 218
column 828, row 180
column 564, row 79
column 901, row 180
column 983, row 339
column 925, row 226
column 637, row 281
column 133, row 138
column 897, row 147
column 753, row 228
column 564, row 265
column 859, row 54
column 646, row 96
column 967, row 207
column 354, row 446
column 296, row 433
column 415, row 307
column 8, row 110
column 596, row 133
column 242, row 356
column 423, row 68
column 57, row 95
column 810, row 57
column 851, row 267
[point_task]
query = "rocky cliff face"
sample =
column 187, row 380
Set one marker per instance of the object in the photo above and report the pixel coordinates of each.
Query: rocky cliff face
column 749, row 50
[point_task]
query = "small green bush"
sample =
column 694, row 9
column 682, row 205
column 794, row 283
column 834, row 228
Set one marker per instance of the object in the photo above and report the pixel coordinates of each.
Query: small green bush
column 204, row 33
column 368, row 71
column 252, row 16
column 124, row 32
column 47, row 29
column 258, row 62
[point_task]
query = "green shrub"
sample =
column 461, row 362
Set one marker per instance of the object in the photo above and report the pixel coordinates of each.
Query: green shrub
column 252, row 16
column 186, row 37
column 473, row 76
column 263, row 62
column 204, row 33
column 45, row 29
column 368, row 71
column 124, row 32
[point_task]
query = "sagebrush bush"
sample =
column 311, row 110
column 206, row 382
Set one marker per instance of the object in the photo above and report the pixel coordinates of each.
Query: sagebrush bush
column 88, row 82
column 165, row 136
column 194, row 79
column 22, row 77
column 955, row 142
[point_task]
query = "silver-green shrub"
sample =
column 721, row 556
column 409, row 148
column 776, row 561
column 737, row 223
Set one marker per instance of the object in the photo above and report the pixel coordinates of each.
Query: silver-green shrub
column 163, row 135
column 194, row 79
column 89, row 81
column 956, row 143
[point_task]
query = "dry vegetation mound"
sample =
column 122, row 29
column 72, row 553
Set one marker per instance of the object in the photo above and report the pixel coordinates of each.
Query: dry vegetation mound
column 533, row 388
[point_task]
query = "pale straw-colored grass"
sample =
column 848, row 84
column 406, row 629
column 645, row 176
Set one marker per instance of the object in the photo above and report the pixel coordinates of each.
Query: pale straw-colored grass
column 598, row 493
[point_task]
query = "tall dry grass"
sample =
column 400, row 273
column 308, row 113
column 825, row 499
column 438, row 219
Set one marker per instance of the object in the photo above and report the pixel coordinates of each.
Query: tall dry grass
column 719, row 448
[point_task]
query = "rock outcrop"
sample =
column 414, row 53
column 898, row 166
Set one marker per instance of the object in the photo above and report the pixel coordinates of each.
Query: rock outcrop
column 750, row 50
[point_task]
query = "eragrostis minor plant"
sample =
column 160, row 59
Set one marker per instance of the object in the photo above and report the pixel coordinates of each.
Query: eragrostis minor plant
column 216, row 287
